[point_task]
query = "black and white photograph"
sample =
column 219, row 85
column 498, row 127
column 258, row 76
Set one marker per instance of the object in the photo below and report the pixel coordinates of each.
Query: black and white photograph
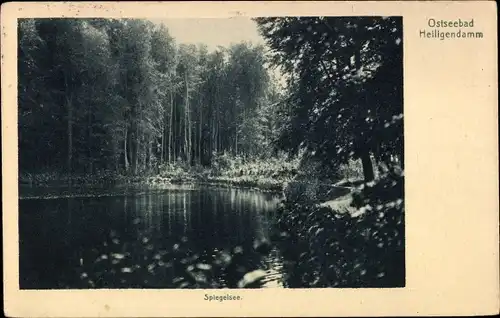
column 211, row 153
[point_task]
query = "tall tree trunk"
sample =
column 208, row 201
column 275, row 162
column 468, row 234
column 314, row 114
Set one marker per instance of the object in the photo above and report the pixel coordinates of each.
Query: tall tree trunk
column 187, row 123
column 236, row 142
column 69, row 105
column 171, row 145
column 179, row 150
column 216, row 138
column 162, row 147
column 150, row 153
column 136, row 150
column 367, row 166
column 125, row 152
column 116, row 156
column 170, row 129
column 145, row 162
column 366, row 160
column 133, row 142
column 218, row 145
column 89, row 142
column 190, row 137
column 217, row 121
column 185, row 131
column 219, row 139
column 200, row 132
column 212, row 134
column 141, row 146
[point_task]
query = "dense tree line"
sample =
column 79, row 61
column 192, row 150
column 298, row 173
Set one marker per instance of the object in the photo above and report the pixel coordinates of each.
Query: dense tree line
column 345, row 87
column 345, row 101
column 121, row 95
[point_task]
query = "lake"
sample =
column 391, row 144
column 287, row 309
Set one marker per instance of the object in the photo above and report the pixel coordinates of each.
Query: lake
column 128, row 237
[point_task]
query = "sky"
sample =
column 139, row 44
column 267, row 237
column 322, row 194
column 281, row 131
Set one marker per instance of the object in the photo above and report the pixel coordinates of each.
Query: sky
column 216, row 32
column 213, row 32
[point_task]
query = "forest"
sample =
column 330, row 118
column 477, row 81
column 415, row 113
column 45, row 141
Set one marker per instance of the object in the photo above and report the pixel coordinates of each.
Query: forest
column 121, row 96
column 316, row 114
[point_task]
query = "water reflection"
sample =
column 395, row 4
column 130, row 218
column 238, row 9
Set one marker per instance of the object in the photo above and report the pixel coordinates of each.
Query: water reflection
column 58, row 235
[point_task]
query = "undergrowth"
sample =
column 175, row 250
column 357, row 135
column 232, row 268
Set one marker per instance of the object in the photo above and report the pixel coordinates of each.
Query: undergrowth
column 363, row 249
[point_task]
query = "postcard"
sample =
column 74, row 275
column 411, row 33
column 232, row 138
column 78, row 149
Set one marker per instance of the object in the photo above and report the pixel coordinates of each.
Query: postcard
column 229, row 159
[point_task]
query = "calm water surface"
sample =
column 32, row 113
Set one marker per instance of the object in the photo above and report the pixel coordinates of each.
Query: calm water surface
column 61, row 230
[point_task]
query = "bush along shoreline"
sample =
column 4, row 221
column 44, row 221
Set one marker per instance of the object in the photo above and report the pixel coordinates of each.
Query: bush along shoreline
column 269, row 175
column 323, row 247
column 266, row 175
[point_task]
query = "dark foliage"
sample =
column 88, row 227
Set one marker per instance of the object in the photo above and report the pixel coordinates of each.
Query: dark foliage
column 100, row 95
column 365, row 249
column 345, row 79
column 143, row 264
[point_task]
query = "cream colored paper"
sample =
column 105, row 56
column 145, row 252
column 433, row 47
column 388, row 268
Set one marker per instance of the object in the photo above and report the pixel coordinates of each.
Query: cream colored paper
column 451, row 113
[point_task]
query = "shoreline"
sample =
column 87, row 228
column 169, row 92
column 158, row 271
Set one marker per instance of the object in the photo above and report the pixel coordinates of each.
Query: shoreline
column 265, row 185
column 284, row 186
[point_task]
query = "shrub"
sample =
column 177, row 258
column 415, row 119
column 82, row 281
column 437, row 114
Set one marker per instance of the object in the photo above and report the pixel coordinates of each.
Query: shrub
column 332, row 249
column 145, row 264
column 352, row 170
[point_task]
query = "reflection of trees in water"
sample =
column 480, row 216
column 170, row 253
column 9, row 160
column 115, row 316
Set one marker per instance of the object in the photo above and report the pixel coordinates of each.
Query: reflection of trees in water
column 137, row 234
column 184, row 214
column 227, row 216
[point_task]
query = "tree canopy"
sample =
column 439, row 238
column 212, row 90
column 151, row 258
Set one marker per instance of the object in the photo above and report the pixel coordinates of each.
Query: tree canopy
column 122, row 95
column 345, row 86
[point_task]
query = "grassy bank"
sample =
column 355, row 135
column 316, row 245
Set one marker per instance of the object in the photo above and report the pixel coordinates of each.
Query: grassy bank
column 267, row 175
